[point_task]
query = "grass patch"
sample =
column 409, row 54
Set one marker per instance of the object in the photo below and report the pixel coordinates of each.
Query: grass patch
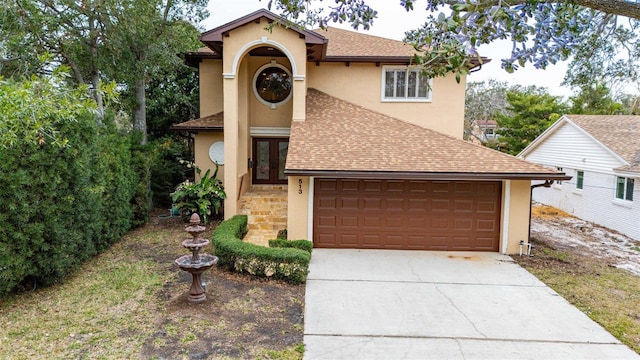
column 608, row 295
column 88, row 312
column 130, row 303
column 290, row 353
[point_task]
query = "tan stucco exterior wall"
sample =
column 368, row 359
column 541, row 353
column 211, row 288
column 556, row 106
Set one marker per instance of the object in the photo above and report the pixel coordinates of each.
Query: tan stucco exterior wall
column 203, row 141
column 298, row 208
column 211, row 92
column 518, row 214
column 362, row 84
column 239, row 108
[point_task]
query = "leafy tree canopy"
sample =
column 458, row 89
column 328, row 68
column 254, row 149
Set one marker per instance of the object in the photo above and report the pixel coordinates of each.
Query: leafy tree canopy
column 530, row 112
column 541, row 32
column 127, row 42
column 596, row 100
column 33, row 109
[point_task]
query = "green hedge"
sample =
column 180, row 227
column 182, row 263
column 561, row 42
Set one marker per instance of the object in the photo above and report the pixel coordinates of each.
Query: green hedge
column 305, row 245
column 62, row 205
column 289, row 264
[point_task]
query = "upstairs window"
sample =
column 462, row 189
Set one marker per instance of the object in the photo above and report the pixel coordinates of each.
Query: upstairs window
column 624, row 188
column 404, row 84
column 272, row 85
column 580, row 180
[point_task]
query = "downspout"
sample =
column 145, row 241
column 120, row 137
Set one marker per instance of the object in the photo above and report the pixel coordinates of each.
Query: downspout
column 546, row 183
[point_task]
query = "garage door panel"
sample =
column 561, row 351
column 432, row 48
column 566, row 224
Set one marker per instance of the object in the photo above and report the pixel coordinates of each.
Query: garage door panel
column 464, row 188
column 348, row 186
column 488, row 189
column 325, row 240
column 327, row 203
column 399, row 214
column 394, row 241
column 372, row 186
column 486, row 225
column 417, row 186
column 349, row 221
column 392, row 222
column 371, row 203
column 348, row 203
column 420, row 204
column 439, row 223
column 440, row 187
column 348, row 240
column 417, row 222
column 396, row 186
column 326, row 185
column 328, row 221
column 463, row 206
column 371, row 240
column 371, row 222
column 463, row 225
column 489, row 207
column 440, row 205
column 394, row 204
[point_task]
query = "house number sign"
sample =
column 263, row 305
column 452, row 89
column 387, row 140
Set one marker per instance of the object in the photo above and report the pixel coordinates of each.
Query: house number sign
column 299, row 186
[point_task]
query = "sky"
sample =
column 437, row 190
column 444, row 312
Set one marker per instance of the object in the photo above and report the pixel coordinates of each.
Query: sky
column 393, row 21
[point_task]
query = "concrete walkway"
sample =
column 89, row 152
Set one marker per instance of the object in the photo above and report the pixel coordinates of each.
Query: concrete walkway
column 373, row 304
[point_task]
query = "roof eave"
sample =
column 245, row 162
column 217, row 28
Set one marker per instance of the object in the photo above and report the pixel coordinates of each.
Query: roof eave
column 215, row 35
column 369, row 59
column 415, row 175
column 195, row 128
column 194, row 58
column 390, row 60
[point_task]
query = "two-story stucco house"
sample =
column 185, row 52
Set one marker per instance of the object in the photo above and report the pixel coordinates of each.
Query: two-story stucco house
column 602, row 153
column 368, row 151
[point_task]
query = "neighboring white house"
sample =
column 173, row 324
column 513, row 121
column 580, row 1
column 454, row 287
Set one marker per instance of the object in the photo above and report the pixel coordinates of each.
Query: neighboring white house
column 602, row 153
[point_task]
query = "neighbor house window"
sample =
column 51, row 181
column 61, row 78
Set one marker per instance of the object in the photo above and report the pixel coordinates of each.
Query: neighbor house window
column 580, row 180
column 559, row 169
column 404, row 84
column 624, row 188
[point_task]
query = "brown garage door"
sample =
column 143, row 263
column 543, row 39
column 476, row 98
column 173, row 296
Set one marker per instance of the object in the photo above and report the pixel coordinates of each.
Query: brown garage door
column 404, row 214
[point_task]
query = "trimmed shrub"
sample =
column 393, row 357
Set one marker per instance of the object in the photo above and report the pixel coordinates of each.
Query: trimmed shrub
column 289, row 264
column 305, row 245
column 66, row 194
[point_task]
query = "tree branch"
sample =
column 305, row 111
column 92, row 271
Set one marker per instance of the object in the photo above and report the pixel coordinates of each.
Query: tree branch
column 615, row 7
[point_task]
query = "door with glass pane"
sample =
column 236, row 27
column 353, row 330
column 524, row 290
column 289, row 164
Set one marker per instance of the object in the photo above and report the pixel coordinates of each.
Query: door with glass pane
column 269, row 156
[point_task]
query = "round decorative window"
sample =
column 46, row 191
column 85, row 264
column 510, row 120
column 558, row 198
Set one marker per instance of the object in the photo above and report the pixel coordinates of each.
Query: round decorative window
column 272, row 84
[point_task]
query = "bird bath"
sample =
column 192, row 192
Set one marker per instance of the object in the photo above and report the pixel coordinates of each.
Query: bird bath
column 196, row 263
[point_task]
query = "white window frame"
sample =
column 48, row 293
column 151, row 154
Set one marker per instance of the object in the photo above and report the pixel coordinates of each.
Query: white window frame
column 579, row 186
column 407, row 69
column 625, row 191
column 558, row 183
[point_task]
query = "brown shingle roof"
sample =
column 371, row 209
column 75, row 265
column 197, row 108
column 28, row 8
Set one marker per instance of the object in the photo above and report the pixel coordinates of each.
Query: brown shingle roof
column 345, row 43
column 620, row 133
column 338, row 136
column 213, row 122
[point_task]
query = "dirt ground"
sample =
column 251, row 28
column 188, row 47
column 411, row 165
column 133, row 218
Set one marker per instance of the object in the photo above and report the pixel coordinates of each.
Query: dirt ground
column 564, row 232
column 243, row 316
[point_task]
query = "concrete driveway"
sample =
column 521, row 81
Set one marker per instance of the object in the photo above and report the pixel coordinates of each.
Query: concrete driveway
column 376, row 304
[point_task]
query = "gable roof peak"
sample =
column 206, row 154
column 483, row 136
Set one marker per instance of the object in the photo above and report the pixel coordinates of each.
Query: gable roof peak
column 215, row 35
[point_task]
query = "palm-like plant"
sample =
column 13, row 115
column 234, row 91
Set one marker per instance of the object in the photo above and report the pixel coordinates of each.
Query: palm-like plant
column 204, row 197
